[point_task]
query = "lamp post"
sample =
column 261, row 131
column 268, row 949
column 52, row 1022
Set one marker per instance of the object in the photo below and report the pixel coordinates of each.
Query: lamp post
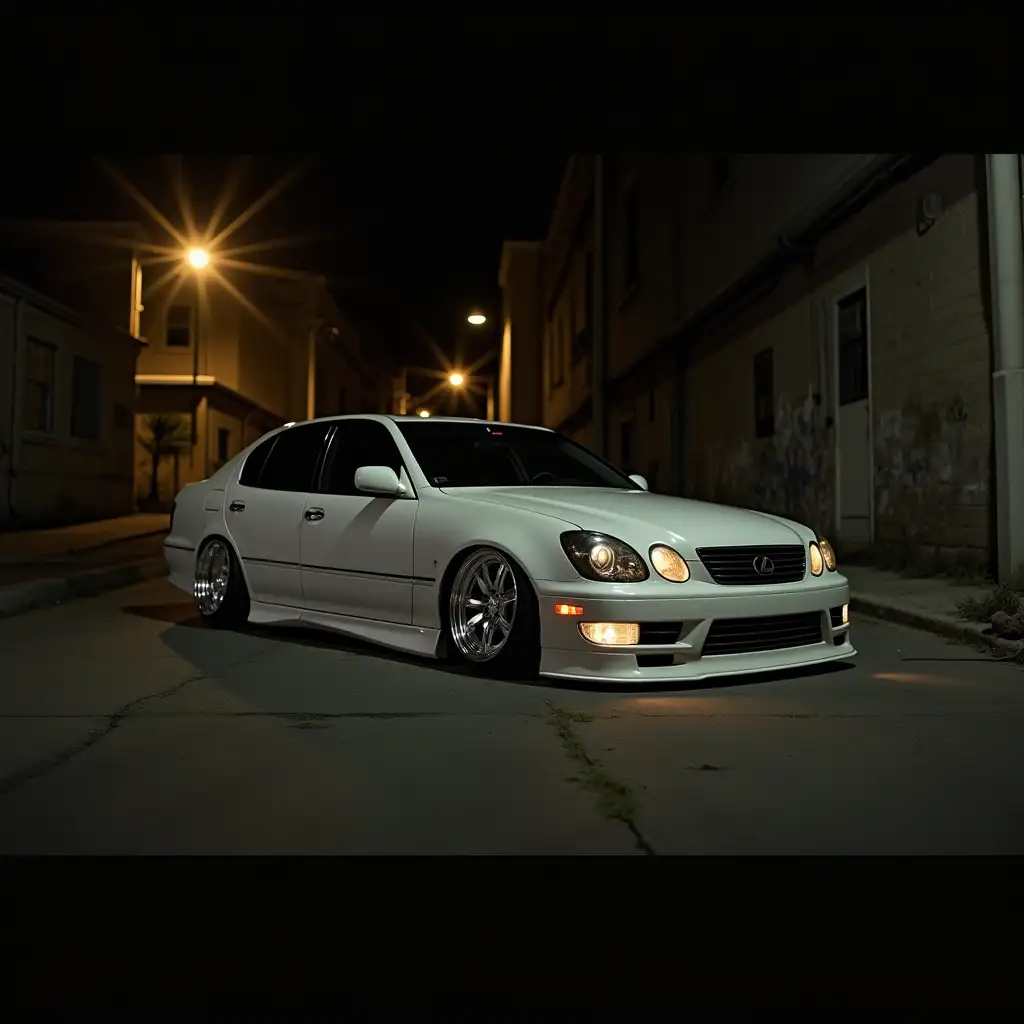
column 459, row 380
column 198, row 259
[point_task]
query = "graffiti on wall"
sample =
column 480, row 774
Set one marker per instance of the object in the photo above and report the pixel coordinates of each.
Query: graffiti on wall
column 930, row 459
column 791, row 473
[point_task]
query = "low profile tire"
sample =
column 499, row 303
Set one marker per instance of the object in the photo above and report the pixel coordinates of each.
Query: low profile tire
column 219, row 587
column 492, row 617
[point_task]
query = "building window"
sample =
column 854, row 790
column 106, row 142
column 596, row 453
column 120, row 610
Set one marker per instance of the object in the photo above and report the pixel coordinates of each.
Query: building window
column 631, row 238
column 179, row 326
column 853, row 348
column 223, row 445
column 626, row 445
column 85, row 398
column 764, row 394
column 40, row 378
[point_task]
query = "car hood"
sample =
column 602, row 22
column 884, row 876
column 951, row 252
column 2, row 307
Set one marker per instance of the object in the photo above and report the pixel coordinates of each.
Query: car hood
column 623, row 514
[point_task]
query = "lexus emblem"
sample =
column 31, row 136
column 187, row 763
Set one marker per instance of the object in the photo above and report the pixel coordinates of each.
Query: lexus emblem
column 763, row 565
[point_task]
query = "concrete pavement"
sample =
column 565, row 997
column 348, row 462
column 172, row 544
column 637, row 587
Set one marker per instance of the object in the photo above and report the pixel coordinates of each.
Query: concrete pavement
column 128, row 727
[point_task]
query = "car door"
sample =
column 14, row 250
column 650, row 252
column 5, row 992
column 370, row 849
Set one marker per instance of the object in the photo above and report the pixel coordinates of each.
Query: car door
column 264, row 509
column 357, row 549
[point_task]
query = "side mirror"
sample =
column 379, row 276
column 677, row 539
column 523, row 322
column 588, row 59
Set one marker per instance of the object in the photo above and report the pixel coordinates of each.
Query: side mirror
column 640, row 481
column 382, row 480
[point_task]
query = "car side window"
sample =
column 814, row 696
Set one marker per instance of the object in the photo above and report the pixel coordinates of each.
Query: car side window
column 291, row 463
column 357, row 443
column 255, row 461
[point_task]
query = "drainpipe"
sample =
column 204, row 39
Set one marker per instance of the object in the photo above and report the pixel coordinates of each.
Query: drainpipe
column 1006, row 277
column 14, row 448
column 599, row 334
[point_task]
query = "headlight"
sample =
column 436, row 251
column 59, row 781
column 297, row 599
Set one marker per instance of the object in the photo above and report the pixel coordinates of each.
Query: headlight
column 828, row 553
column 596, row 556
column 817, row 562
column 669, row 564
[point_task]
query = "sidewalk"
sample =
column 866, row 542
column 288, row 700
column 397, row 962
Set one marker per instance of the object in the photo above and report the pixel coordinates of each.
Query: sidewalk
column 44, row 567
column 29, row 545
column 922, row 603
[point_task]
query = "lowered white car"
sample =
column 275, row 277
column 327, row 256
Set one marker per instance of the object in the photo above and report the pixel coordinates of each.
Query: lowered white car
column 510, row 548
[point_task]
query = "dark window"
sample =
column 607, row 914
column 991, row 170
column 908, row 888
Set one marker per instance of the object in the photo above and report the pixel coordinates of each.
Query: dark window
column 626, row 445
column 179, row 326
column 122, row 417
column 478, row 455
column 223, row 445
column 291, row 463
column 357, row 443
column 853, row 348
column 85, row 398
column 255, row 461
column 764, row 394
column 631, row 238
column 40, row 379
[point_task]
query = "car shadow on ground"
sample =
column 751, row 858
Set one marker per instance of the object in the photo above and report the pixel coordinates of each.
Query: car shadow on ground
column 184, row 615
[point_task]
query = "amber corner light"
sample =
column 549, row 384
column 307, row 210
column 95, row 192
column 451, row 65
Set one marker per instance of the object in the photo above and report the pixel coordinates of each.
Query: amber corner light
column 568, row 609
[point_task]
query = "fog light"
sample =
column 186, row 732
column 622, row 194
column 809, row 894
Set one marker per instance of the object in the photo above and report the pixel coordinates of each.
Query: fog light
column 611, row 634
column 846, row 614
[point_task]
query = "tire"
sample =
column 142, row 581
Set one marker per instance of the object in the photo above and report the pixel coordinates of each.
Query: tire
column 491, row 617
column 218, row 586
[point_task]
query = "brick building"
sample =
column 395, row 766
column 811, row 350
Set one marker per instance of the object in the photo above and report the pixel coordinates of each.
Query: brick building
column 805, row 334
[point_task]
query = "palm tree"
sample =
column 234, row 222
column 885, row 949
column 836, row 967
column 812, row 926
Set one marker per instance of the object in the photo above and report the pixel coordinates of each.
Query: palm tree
column 168, row 435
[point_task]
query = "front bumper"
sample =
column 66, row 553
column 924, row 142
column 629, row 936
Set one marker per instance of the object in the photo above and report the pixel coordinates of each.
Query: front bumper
column 566, row 654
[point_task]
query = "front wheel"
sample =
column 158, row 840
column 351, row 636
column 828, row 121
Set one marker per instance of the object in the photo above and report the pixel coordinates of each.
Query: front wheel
column 492, row 615
column 219, row 587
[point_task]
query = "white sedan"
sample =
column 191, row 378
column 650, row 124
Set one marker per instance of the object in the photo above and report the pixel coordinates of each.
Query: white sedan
column 510, row 548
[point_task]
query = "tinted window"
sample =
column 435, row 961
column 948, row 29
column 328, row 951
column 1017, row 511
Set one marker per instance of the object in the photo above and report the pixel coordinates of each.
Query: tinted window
column 255, row 461
column 292, row 461
column 492, row 455
column 357, row 443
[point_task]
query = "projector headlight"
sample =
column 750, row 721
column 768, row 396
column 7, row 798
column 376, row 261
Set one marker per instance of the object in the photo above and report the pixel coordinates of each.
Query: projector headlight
column 596, row 556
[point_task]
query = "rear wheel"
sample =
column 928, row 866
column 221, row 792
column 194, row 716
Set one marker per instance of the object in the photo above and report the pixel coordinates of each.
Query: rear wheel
column 219, row 587
column 492, row 615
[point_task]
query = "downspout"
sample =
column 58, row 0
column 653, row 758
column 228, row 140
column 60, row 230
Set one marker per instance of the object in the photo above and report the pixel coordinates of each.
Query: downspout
column 1006, row 278
column 13, row 450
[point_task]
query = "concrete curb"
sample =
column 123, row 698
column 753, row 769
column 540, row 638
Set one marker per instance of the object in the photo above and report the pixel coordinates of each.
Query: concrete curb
column 65, row 552
column 24, row 597
column 947, row 626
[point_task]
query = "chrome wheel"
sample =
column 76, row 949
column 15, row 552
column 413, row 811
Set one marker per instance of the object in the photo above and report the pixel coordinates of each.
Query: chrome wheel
column 482, row 607
column 213, row 570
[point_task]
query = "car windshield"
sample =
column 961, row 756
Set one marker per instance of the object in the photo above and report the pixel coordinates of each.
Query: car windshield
column 496, row 455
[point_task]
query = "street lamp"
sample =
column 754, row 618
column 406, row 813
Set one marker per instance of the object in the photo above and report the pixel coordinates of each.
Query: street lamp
column 424, row 413
column 456, row 380
column 198, row 258
column 476, row 319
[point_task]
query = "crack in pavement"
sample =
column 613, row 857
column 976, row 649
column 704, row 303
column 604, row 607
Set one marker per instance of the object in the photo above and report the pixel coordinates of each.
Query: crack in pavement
column 615, row 798
column 46, row 765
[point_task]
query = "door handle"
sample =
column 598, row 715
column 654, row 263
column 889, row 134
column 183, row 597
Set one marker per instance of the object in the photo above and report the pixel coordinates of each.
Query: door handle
column 237, row 506
column 314, row 515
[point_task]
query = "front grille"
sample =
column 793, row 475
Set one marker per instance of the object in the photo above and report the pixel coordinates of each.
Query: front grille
column 765, row 633
column 660, row 632
column 735, row 566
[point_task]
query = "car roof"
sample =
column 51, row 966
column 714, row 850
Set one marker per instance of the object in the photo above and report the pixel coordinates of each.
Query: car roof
column 383, row 418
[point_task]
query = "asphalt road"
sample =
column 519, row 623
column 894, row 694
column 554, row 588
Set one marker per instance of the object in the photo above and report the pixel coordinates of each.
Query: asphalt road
column 126, row 727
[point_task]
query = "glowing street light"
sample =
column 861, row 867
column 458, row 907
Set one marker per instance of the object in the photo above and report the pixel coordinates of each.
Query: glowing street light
column 198, row 258
column 476, row 319
column 424, row 413
column 456, row 380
